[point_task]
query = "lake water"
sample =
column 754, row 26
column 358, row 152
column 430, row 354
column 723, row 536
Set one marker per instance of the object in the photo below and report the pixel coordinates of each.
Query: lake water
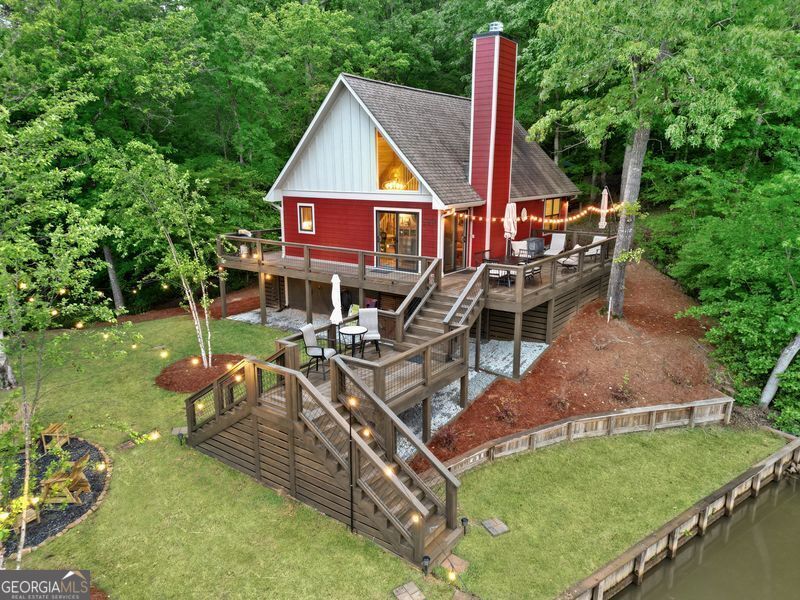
column 755, row 554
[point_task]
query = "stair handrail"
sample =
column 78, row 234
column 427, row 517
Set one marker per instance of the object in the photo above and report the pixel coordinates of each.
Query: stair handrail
column 479, row 276
column 363, row 447
column 400, row 321
column 398, row 424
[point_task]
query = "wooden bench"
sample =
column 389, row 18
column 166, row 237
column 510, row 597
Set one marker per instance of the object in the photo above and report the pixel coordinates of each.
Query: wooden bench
column 54, row 436
column 66, row 486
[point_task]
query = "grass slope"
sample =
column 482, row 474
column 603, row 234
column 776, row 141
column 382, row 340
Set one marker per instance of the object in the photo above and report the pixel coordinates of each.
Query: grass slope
column 572, row 508
column 178, row 524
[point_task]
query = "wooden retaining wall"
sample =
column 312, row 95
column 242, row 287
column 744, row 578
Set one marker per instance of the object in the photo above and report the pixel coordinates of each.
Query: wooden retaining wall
column 634, row 563
column 535, row 321
column 714, row 411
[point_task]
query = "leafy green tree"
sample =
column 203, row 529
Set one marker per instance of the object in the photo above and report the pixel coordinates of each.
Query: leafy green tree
column 47, row 244
column 630, row 67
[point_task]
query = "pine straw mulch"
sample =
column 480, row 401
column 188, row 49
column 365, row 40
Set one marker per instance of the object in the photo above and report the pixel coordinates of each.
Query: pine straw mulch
column 183, row 376
column 648, row 357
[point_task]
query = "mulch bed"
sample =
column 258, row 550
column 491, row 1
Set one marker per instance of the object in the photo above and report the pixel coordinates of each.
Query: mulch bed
column 648, row 357
column 240, row 301
column 56, row 517
column 183, row 376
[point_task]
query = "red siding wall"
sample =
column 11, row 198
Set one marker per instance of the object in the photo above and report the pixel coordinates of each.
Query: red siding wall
column 351, row 224
column 496, row 176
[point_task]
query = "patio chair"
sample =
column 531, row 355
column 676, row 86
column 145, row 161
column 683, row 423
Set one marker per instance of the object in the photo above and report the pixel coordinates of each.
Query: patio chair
column 315, row 350
column 557, row 242
column 66, row 486
column 594, row 253
column 572, row 261
column 368, row 317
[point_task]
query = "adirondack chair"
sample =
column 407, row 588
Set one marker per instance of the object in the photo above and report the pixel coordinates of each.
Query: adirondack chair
column 30, row 515
column 54, row 435
column 66, row 486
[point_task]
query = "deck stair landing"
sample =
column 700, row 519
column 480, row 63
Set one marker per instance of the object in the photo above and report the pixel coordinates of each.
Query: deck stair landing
column 266, row 419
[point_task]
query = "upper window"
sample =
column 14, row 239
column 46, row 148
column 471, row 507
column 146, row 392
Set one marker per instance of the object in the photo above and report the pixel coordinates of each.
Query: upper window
column 305, row 218
column 393, row 175
column 552, row 210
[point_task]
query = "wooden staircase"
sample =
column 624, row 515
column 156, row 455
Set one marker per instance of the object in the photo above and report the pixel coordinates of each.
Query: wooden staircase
column 337, row 453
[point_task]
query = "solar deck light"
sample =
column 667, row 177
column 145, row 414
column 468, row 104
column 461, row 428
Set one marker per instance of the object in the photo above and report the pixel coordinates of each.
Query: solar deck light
column 153, row 435
column 195, row 361
column 62, row 291
column 30, row 299
column 134, row 346
column 54, row 312
column 365, row 432
column 163, row 354
column 451, row 575
column 229, row 366
column 237, row 378
column 464, row 523
column 389, row 471
column 200, row 406
column 352, row 401
column 100, row 467
column 79, row 325
column 426, row 563
column 164, row 286
column 23, row 285
column 415, row 518
column 105, row 336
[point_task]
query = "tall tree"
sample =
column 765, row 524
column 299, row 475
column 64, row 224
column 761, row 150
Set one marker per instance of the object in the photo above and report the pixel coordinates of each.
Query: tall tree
column 626, row 67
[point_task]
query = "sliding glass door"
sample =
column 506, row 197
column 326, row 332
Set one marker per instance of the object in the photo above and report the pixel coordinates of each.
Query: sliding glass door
column 455, row 240
column 397, row 233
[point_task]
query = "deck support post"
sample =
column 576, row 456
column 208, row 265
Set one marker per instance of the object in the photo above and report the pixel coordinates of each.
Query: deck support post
column 478, row 335
column 548, row 328
column 262, row 298
column 517, row 343
column 639, row 566
column 309, row 312
column 427, row 418
column 463, row 392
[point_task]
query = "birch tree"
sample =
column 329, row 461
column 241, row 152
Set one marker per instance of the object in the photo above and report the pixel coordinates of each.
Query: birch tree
column 162, row 208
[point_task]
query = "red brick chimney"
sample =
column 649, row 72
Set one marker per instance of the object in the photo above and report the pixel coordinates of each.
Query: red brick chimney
column 494, row 79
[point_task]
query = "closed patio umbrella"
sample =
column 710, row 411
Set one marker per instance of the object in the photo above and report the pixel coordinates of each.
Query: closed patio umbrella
column 510, row 224
column 603, row 208
column 336, row 298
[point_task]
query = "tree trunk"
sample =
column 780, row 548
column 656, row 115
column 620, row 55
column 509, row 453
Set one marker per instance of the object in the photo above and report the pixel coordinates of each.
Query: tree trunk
column 557, row 145
column 7, row 379
column 116, row 290
column 632, row 172
column 784, row 360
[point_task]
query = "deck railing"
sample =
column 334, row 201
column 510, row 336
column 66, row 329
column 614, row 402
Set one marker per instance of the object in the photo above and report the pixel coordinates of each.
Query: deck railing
column 416, row 370
column 470, row 301
column 528, row 279
column 377, row 419
column 255, row 253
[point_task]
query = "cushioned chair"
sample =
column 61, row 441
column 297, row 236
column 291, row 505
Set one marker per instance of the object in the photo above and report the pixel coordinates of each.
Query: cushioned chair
column 315, row 350
column 368, row 317
column 557, row 242
column 572, row 261
column 595, row 252
column 520, row 248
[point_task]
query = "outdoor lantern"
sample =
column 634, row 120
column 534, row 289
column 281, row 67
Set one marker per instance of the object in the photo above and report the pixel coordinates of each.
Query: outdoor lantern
column 426, row 563
column 464, row 523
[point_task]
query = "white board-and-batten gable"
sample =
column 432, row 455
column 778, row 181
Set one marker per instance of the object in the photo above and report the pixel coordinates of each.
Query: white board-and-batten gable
column 337, row 155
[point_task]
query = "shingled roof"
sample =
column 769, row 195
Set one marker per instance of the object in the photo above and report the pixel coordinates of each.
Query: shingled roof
column 432, row 130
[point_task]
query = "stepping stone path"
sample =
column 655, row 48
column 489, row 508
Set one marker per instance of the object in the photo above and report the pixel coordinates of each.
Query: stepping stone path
column 409, row 591
column 495, row 527
column 455, row 563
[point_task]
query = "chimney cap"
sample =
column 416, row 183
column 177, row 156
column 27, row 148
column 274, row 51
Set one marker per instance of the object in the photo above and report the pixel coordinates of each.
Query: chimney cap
column 496, row 26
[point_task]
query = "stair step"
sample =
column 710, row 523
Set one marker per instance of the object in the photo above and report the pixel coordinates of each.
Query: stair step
column 440, row 546
column 423, row 331
column 415, row 340
column 430, row 322
column 433, row 313
column 444, row 305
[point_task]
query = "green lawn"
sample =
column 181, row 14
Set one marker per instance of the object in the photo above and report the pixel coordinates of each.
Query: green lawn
column 572, row 508
column 178, row 524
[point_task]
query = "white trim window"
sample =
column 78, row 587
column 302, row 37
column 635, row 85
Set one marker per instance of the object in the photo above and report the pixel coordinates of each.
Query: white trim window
column 305, row 219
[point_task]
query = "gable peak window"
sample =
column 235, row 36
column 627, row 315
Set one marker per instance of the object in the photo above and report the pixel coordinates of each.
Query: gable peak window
column 393, row 174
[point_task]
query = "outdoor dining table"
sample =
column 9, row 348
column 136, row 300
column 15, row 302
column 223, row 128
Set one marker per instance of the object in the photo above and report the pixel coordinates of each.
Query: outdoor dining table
column 498, row 263
column 354, row 332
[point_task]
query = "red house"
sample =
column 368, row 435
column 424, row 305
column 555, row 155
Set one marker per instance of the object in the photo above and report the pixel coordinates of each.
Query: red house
column 392, row 169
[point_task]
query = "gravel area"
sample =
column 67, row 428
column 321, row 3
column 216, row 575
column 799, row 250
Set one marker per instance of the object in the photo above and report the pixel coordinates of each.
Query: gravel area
column 497, row 355
column 289, row 319
column 55, row 517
